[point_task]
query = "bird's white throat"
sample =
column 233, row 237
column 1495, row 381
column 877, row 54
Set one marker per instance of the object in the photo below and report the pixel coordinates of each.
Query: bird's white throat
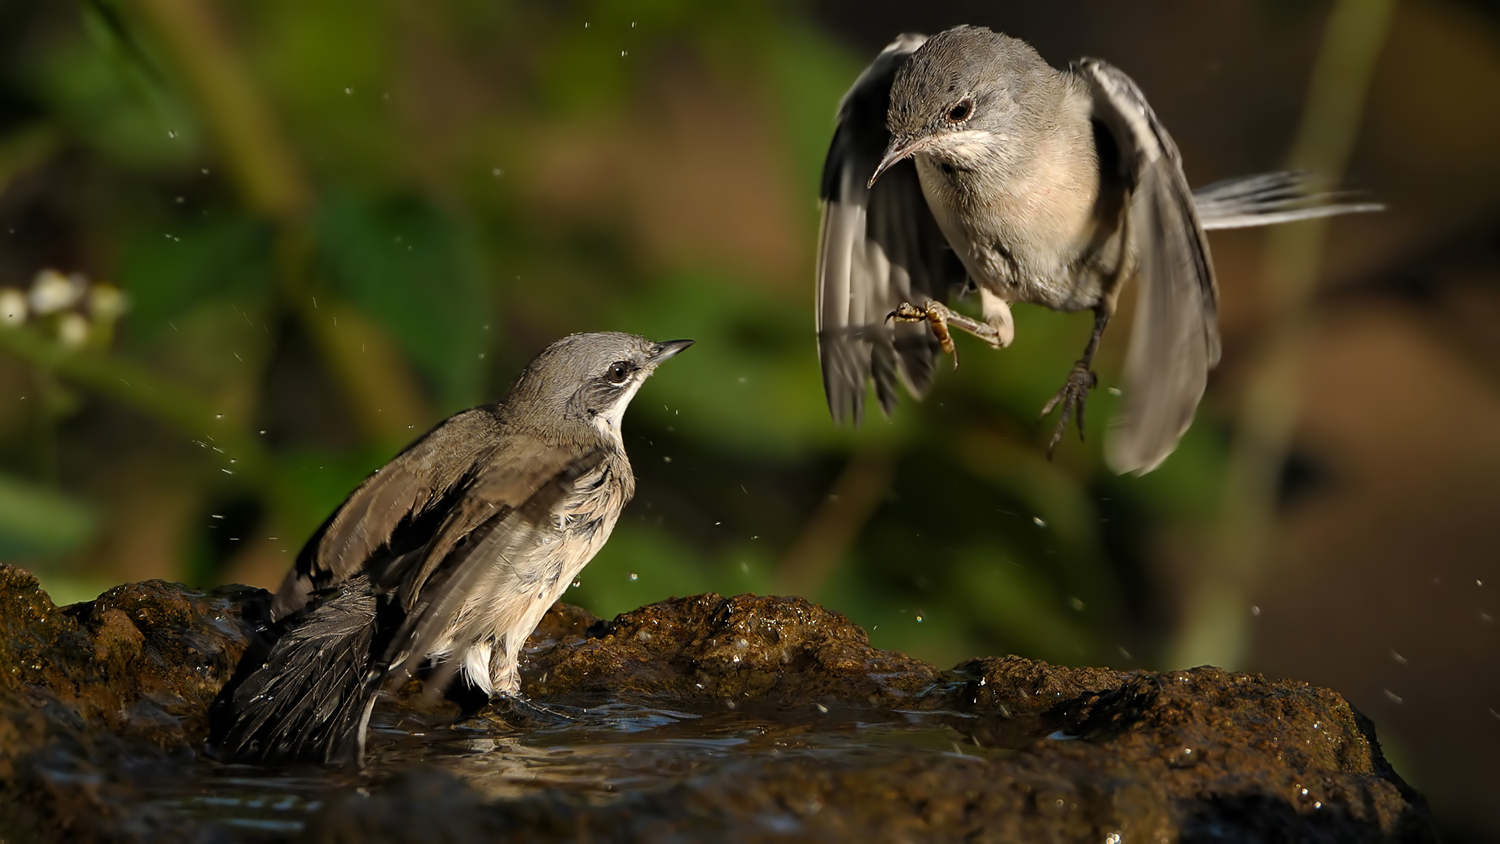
column 608, row 422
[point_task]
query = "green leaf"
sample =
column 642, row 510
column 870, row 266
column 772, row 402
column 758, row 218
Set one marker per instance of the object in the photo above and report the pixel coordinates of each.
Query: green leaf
column 172, row 270
column 106, row 90
column 405, row 263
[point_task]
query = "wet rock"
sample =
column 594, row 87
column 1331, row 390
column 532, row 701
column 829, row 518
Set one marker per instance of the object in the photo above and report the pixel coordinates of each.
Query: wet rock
column 96, row 696
column 708, row 648
column 764, row 718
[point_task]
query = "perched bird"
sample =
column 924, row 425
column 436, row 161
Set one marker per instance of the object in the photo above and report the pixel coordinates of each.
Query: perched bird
column 452, row 552
column 965, row 162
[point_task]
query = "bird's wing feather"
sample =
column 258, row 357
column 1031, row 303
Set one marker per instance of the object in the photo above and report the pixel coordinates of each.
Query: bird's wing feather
column 517, row 475
column 877, row 247
column 510, row 505
column 1269, row 198
column 1175, row 339
column 302, row 697
column 391, row 508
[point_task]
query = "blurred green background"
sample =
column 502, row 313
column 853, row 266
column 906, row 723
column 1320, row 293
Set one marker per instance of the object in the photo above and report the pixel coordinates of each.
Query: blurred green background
column 334, row 224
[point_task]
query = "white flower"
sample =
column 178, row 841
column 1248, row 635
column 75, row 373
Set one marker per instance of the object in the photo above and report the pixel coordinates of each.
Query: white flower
column 106, row 302
column 73, row 330
column 52, row 291
column 12, row 306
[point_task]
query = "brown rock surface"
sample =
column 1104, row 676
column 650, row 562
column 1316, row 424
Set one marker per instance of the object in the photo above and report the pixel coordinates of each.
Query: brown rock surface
column 755, row 718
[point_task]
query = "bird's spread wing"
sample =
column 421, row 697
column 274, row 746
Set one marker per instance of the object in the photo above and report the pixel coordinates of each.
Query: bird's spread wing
column 1175, row 339
column 1270, row 198
column 396, row 508
column 877, row 247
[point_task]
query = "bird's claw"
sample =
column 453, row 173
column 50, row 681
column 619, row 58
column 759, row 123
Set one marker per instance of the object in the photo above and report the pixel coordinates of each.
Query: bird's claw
column 936, row 316
column 1071, row 399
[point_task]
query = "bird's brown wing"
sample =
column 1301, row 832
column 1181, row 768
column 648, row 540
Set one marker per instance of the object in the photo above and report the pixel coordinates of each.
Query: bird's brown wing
column 498, row 518
column 1175, row 339
column 522, row 475
column 877, row 247
column 394, row 511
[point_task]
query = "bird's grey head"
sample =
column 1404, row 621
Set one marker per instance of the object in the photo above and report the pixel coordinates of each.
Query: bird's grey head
column 967, row 95
column 587, row 378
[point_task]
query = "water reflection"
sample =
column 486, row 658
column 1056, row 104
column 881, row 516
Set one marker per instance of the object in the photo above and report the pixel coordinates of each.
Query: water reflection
column 605, row 751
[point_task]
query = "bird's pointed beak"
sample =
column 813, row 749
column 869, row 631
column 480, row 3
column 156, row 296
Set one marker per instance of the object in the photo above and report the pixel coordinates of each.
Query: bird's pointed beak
column 668, row 349
column 897, row 152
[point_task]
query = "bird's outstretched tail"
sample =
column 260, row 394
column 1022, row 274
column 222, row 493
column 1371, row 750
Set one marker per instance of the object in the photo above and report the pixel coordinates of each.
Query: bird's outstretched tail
column 1270, row 198
column 310, row 697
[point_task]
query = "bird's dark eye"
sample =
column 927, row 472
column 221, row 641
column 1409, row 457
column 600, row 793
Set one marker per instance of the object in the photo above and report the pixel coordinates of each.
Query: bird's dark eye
column 619, row 371
column 961, row 112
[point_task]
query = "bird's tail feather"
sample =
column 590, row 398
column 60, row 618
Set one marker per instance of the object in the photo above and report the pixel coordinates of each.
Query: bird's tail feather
column 310, row 697
column 1270, row 198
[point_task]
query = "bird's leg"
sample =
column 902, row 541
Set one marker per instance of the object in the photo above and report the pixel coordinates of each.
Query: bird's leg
column 1075, row 391
column 941, row 318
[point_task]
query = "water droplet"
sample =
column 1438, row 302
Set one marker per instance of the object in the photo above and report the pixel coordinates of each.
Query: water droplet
column 348, row 90
column 171, row 133
column 919, row 619
column 1076, row 604
column 218, row 416
column 1255, row 611
column 1039, row 522
column 1394, row 698
column 577, row 583
column 634, row 576
column 666, row 459
column 1398, row 657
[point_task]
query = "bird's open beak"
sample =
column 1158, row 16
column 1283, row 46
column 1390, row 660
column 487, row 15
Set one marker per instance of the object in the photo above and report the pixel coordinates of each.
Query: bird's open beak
column 668, row 349
column 894, row 154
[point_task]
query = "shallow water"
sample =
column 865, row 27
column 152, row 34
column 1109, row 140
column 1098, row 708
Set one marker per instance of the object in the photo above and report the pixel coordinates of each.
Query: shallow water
column 604, row 751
